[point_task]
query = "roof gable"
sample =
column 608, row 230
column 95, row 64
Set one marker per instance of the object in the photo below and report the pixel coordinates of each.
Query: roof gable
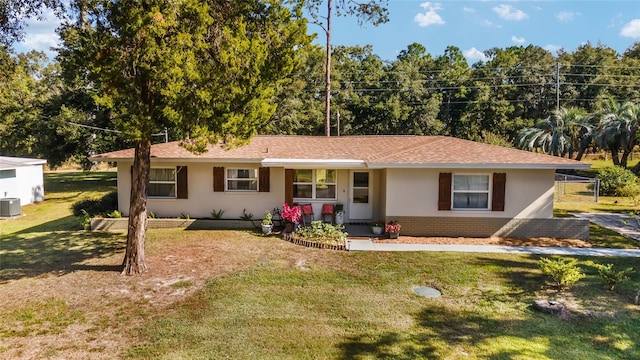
column 11, row 162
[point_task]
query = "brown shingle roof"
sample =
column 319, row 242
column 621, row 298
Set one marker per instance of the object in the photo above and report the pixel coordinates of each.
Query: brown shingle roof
column 375, row 151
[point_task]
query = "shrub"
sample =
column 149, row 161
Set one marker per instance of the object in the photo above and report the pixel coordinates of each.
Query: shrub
column 217, row 215
column 614, row 178
column 86, row 219
column 611, row 276
column 564, row 271
column 246, row 216
column 95, row 207
column 632, row 191
column 322, row 232
column 114, row 214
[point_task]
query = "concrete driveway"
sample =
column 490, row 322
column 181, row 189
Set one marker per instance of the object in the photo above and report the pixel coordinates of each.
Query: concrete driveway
column 620, row 223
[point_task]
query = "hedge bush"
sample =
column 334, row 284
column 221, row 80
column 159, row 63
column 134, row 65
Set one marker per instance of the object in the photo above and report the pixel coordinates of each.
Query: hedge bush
column 94, row 207
column 614, row 178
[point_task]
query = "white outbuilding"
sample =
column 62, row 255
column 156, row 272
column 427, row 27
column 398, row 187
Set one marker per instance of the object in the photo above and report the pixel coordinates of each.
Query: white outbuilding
column 20, row 179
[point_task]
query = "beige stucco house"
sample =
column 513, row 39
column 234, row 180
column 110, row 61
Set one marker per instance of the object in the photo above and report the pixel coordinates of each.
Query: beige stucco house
column 433, row 185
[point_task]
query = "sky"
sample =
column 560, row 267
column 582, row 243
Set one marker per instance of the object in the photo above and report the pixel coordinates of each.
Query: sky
column 472, row 26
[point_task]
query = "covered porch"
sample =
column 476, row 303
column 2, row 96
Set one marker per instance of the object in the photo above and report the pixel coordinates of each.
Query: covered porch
column 360, row 231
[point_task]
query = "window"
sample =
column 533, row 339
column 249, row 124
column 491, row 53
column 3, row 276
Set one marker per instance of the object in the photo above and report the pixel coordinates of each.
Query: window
column 7, row 174
column 314, row 184
column 242, row 179
column 162, row 183
column 471, row 192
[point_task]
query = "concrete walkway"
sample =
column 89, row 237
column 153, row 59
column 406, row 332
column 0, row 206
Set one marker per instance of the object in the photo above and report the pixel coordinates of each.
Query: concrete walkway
column 620, row 223
column 368, row 245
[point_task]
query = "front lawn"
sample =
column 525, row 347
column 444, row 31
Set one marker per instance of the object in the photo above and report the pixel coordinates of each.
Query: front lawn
column 242, row 295
column 361, row 306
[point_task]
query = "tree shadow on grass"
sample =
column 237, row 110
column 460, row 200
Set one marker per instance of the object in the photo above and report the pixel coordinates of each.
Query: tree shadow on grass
column 444, row 332
column 67, row 223
column 39, row 250
column 523, row 275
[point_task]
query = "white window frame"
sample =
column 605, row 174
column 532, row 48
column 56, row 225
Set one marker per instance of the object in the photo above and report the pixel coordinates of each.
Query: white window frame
column 174, row 182
column 249, row 179
column 454, row 191
column 314, row 183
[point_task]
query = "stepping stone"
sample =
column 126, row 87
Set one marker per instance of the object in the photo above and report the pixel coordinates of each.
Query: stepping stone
column 427, row 292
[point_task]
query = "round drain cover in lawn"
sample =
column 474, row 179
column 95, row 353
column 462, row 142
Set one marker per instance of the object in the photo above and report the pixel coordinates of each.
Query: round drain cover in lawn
column 427, row 291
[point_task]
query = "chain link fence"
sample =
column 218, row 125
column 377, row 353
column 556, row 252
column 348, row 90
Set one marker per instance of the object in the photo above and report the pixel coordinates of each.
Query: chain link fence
column 572, row 188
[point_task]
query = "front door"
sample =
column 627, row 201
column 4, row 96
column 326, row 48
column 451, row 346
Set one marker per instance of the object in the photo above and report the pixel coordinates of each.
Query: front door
column 360, row 206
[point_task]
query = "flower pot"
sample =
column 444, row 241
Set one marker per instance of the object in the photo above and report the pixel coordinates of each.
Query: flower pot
column 340, row 217
column 266, row 229
column 288, row 227
column 377, row 230
column 393, row 235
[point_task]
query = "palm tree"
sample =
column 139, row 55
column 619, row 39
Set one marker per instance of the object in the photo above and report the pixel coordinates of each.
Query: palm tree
column 617, row 128
column 564, row 131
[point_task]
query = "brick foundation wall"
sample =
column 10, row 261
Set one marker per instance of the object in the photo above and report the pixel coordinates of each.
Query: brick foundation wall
column 568, row 228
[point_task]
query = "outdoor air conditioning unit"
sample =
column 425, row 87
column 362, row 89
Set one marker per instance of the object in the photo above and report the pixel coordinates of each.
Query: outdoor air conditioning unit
column 9, row 207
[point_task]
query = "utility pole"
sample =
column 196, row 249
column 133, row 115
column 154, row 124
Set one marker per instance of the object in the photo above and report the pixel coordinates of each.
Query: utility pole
column 327, row 75
column 557, row 86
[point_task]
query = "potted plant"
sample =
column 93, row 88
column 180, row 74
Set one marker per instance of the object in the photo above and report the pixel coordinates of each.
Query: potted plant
column 392, row 228
column 267, row 223
column 338, row 210
column 290, row 215
column 377, row 227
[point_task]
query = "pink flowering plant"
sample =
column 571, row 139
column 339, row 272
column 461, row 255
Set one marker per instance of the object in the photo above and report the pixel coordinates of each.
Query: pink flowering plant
column 291, row 214
column 392, row 227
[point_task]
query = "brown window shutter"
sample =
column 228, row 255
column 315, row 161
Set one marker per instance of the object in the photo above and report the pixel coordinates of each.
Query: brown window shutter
column 263, row 179
column 218, row 178
column 444, row 191
column 497, row 199
column 182, row 186
column 288, row 186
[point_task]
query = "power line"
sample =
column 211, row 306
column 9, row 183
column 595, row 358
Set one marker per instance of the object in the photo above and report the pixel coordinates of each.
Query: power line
column 164, row 133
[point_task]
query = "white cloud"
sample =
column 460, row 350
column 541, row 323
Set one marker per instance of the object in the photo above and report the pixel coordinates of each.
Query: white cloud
column 40, row 41
column 508, row 12
column 468, row 9
column 40, row 35
column 430, row 17
column 517, row 40
column 565, row 16
column 475, row 54
column 488, row 23
column 552, row 48
column 631, row 29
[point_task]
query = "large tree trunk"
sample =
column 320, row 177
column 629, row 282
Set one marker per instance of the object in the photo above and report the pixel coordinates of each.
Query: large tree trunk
column 614, row 157
column 584, row 145
column 134, row 262
column 628, row 149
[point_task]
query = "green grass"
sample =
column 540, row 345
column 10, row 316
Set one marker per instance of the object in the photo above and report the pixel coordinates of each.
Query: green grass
column 47, row 237
column 50, row 316
column 361, row 306
column 339, row 305
column 599, row 164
